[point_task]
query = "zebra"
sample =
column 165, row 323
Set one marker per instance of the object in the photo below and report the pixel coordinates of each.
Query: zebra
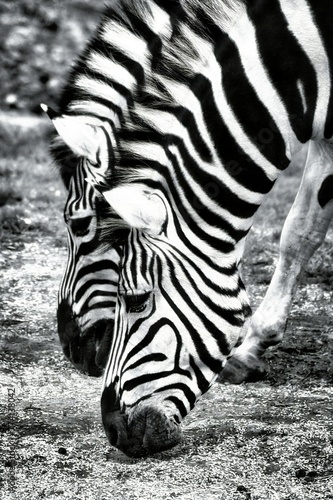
column 87, row 295
column 183, row 113
column 100, row 89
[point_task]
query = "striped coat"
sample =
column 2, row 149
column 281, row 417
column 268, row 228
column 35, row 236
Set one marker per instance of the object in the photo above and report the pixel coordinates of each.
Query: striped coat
column 183, row 113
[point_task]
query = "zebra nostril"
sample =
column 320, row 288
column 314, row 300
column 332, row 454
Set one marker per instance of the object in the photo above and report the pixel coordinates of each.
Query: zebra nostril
column 99, row 334
column 67, row 325
column 66, row 350
column 113, row 435
column 176, row 419
column 102, row 336
column 74, row 353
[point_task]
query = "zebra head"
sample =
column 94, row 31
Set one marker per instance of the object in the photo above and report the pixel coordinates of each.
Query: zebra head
column 174, row 324
column 87, row 293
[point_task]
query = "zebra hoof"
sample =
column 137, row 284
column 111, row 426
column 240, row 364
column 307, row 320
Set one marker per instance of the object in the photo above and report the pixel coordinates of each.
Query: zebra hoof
column 236, row 371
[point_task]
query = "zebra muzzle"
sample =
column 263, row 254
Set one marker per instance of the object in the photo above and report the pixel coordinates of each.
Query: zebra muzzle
column 145, row 430
column 87, row 350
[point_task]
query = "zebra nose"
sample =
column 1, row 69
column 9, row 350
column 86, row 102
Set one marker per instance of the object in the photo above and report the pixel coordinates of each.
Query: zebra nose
column 153, row 431
column 87, row 351
column 102, row 333
column 69, row 332
column 147, row 430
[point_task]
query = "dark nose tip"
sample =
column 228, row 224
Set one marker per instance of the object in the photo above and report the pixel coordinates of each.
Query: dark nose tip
column 69, row 332
column 144, row 431
column 153, row 431
column 87, row 350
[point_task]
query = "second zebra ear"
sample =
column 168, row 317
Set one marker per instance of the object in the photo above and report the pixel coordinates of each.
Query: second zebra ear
column 141, row 207
column 83, row 138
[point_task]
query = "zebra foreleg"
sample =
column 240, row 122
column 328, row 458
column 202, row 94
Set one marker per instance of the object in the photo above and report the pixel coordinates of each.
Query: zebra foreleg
column 303, row 232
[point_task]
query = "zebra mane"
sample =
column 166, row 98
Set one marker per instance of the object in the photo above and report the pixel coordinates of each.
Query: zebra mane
column 226, row 11
column 223, row 12
column 179, row 61
column 181, row 57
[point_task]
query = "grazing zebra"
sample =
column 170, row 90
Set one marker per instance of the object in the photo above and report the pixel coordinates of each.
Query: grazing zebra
column 88, row 291
column 183, row 113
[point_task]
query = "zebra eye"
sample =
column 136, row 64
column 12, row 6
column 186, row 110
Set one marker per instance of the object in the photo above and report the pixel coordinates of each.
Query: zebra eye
column 80, row 226
column 136, row 303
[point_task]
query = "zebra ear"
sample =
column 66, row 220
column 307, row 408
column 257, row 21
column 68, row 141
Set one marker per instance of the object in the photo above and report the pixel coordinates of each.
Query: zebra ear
column 84, row 139
column 141, row 207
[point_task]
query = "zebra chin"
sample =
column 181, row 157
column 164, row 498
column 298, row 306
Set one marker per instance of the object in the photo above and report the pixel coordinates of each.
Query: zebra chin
column 87, row 350
column 146, row 428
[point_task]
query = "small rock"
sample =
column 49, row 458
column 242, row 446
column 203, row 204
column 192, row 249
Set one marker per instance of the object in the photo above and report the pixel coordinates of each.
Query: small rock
column 10, row 463
column 11, row 100
column 38, row 457
column 300, row 473
column 245, row 491
column 311, row 476
column 62, row 450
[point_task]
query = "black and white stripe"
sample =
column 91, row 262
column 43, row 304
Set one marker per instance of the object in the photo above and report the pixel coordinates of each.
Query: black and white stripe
column 206, row 102
column 87, row 295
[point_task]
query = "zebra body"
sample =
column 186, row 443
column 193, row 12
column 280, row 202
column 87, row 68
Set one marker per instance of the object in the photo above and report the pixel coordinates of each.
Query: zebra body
column 197, row 106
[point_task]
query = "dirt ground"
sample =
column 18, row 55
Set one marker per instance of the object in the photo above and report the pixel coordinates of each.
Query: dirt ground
column 269, row 440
